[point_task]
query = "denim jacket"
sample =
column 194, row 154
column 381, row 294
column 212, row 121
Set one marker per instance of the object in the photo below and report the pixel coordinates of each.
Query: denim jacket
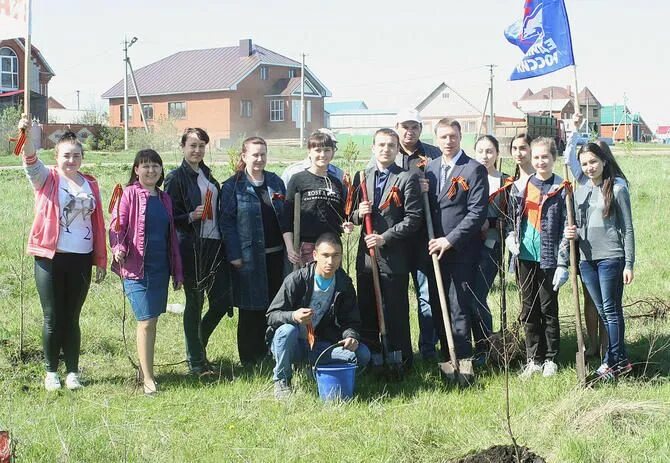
column 242, row 223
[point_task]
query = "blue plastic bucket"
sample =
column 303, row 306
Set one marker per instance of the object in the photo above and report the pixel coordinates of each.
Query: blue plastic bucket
column 335, row 381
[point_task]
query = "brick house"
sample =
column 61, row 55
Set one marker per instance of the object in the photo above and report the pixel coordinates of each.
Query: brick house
column 12, row 78
column 621, row 124
column 559, row 102
column 230, row 92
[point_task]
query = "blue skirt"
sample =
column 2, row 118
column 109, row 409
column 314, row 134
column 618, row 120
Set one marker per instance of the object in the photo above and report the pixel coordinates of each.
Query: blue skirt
column 148, row 296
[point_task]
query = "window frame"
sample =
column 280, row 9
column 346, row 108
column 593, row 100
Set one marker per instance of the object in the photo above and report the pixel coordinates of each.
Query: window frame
column 182, row 114
column 128, row 111
column 264, row 73
column 277, row 114
column 144, row 113
column 13, row 71
column 246, row 109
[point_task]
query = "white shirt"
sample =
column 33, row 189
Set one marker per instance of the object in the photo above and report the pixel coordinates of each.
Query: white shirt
column 77, row 204
column 208, row 228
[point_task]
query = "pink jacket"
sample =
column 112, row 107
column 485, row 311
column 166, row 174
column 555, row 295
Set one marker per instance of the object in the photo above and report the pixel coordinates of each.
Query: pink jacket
column 130, row 237
column 43, row 238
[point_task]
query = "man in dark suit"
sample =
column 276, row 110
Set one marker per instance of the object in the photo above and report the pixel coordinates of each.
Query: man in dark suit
column 458, row 192
column 394, row 202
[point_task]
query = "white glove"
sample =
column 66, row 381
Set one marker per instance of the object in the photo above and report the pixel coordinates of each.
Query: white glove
column 560, row 277
column 512, row 245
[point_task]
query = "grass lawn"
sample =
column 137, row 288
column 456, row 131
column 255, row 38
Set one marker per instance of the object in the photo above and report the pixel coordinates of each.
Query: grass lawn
column 234, row 417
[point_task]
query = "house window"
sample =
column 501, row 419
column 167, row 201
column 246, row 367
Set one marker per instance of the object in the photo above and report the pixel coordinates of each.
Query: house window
column 276, row 110
column 130, row 113
column 595, row 112
column 177, row 110
column 148, row 110
column 245, row 108
column 291, row 73
column 308, row 111
column 9, row 69
column 264, row 73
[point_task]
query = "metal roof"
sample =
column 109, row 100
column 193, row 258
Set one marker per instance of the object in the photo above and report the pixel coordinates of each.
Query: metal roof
column 195, row 71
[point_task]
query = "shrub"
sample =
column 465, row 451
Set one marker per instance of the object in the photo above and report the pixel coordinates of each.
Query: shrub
column 9, row 120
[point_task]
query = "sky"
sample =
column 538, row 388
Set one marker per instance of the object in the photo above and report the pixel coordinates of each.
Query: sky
column 389, row 53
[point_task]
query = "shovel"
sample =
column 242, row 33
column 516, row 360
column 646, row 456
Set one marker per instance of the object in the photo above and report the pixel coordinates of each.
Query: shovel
column 296, row 226
column 392, row 361
column 459, row 371
column 580, row 356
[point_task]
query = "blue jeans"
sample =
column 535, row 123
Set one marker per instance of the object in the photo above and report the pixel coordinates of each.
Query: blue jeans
column 482, row 320
column 288, row 349
column 427, row 334
column 604, row 281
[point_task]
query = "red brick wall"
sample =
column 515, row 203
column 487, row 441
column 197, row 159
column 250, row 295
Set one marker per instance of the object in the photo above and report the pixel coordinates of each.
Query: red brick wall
column 219, row 112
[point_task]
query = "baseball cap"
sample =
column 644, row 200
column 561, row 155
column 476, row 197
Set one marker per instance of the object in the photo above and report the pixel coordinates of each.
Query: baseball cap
column 408, row 115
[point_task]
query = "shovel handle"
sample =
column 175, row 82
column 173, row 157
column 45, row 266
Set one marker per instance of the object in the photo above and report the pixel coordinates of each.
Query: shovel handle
column 296, row 226
column 580, row 361
column 444, row 304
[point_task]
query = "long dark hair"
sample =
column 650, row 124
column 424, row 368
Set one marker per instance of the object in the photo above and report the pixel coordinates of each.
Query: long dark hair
column 142, row 157
column 241, row 165
column 611, row 171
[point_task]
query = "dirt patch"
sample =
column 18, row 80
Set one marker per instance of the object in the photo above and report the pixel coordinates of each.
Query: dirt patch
column 502, row 454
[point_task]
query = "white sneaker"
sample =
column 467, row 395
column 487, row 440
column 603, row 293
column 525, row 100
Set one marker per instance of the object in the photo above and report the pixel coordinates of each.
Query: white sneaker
column 549, row 368
column 51, row 381
column 72, row 381
column 530, row 369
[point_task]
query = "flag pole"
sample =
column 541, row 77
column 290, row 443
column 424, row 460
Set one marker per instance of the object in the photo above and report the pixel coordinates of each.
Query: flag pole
column 27, row 62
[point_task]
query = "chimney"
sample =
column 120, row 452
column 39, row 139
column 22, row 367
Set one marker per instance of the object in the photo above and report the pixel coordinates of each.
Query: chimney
column 246, row 48
column 569, row 89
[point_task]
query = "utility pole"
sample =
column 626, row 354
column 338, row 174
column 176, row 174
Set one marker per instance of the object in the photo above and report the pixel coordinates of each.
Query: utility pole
column 302, row 102
column 491, row 116
column 77, row 100
column 126, row 46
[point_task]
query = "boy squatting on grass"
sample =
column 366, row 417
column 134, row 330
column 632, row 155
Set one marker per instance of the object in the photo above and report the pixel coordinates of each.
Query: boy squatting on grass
column 322, row 295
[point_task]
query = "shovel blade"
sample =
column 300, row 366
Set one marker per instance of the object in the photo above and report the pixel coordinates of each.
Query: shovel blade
column 463, row 375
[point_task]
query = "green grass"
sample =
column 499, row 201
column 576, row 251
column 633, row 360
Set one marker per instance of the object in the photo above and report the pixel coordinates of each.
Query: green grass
column 234, row 417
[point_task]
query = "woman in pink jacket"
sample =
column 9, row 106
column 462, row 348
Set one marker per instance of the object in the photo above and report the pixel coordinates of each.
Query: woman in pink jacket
column 146, row 252
column 67, row 239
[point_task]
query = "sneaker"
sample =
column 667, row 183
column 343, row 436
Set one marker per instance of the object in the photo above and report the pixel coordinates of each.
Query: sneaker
column 51, row 381
column 549, row 368
column 530, row 369
column 282, row 389
column 72, row 381
column 604, row 372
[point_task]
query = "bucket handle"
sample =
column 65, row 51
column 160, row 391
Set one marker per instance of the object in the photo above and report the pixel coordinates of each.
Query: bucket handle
column 332, row 346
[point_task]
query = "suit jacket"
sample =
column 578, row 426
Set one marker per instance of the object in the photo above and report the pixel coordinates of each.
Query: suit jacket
column 459, row 218
column 397, row 224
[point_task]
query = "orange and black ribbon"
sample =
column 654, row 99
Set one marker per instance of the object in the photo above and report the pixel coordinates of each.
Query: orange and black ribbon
column 278, row 196
column 394, row 196
column 115, row 201
column 455, row 181
column 564, row 184
column 207, row 213
column 20, row 141
column 348, row 205
column 509, row 181
column 311, row 336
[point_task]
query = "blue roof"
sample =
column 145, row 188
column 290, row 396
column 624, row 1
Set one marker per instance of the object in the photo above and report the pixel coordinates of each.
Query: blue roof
column 345, row 106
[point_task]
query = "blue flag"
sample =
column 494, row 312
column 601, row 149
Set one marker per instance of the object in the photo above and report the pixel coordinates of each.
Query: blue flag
column 543, row 34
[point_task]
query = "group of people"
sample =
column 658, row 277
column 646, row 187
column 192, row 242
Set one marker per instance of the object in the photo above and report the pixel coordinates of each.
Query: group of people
column 235, row 243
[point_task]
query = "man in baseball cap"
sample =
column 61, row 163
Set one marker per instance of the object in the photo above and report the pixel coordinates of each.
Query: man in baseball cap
column 414, row 155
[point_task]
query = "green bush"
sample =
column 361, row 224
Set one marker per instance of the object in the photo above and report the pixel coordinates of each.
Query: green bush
column 9, row 120
column 108, row 139
column 163, row 136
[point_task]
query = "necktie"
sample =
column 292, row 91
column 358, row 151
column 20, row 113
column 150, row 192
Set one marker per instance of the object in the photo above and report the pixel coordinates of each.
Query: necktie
column 444, row 176
column 379, row 186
